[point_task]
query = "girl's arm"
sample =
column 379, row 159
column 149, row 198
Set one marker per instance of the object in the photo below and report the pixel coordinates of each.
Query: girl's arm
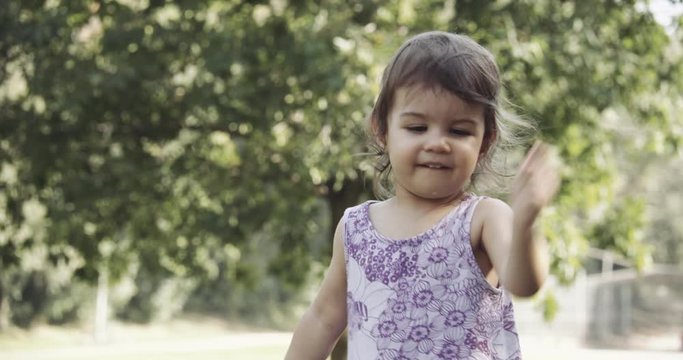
column 517, row 251
column 324, row 321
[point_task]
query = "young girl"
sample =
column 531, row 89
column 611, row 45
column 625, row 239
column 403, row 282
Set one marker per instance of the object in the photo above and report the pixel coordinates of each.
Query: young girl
column 426, row 273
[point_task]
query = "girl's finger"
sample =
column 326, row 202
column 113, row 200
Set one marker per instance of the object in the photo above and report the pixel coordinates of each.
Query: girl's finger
column 530, row 154
column 535, row 158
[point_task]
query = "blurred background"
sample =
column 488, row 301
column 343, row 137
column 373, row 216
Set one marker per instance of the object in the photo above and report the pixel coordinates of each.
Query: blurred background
column 170, row 170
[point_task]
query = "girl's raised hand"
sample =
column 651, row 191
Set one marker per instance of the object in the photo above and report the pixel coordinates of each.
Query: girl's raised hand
column 536, row 183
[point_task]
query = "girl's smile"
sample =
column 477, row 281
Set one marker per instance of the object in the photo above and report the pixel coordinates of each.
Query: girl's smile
column 435, row 165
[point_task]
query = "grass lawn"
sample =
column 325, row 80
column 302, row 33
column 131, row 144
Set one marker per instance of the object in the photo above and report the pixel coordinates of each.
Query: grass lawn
column 252, row 353
column 191, row 339
column 210, row 339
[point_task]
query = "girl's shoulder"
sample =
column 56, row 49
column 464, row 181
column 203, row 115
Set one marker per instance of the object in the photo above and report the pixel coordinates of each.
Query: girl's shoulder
column 490, row 204
column 357, row 216
column 489, row 210
column 360, row 209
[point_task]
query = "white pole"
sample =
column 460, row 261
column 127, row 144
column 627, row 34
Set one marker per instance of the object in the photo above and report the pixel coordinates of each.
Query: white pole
column 102, row 306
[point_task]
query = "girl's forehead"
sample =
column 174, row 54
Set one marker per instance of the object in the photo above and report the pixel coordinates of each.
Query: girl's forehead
column 433, row 98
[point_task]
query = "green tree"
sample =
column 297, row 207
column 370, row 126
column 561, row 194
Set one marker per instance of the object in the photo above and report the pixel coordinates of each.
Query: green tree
column 218, row 141
column 171, row 135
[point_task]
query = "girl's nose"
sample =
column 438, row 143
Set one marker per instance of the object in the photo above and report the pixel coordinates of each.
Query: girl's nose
column 437, row 143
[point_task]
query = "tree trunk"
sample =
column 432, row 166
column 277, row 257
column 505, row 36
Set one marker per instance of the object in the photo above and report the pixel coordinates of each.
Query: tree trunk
column 347, row 196
column 102, row 306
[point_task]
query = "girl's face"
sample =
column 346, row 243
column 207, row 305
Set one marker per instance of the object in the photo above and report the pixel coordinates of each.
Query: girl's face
column 433, row 140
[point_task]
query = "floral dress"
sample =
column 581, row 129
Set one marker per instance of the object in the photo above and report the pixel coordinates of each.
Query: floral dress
column 423, row 297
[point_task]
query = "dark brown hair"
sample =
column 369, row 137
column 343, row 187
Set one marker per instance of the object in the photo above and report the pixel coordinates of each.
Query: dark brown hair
column 456, row 64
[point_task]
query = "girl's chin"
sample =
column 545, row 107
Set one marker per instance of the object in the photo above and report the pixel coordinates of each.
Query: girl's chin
column 440, row 196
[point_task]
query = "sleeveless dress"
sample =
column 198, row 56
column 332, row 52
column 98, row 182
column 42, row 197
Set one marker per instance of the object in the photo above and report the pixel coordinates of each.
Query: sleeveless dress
column 423, row 297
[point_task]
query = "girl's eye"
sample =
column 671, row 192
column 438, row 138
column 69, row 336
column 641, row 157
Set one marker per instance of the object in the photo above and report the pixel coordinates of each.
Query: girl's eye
column 460, row 132
column 417, row 128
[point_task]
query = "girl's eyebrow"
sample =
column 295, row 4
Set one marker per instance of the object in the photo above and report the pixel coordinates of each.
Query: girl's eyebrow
column 412, row 114
column 423, row 116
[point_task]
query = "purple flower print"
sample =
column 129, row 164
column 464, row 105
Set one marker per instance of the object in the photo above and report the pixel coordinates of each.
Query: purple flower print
column 402, row 285
column 393, row 354
column 421, row 334
column 418, row 341
column 426, row 297
column 398, row 309
column 473, row 342
column 437, row 256
column 450, row 349
column 457, row 316
column 486, row 320
column 357, row 313
column 365, row 299
column 509, row 318
column 389, row 330
column 358, row 224
column 451, row 345
column 385, row 328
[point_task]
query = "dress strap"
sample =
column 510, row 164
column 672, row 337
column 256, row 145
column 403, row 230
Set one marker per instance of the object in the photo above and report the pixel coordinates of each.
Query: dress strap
column 471, row 206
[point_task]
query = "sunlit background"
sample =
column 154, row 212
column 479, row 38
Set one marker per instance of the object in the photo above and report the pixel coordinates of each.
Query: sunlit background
column 170, row 170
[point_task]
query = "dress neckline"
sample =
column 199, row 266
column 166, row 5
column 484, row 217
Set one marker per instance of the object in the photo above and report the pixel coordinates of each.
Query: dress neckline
column 424, row 234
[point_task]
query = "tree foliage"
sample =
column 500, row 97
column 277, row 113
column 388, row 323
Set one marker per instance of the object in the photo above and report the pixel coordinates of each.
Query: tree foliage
column 219, row 141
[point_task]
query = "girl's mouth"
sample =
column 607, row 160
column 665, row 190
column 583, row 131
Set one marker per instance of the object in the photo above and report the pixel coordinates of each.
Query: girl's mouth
column 435, row 166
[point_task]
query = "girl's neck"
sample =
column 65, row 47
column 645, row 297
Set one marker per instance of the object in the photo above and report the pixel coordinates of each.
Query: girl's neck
column 407, row 201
